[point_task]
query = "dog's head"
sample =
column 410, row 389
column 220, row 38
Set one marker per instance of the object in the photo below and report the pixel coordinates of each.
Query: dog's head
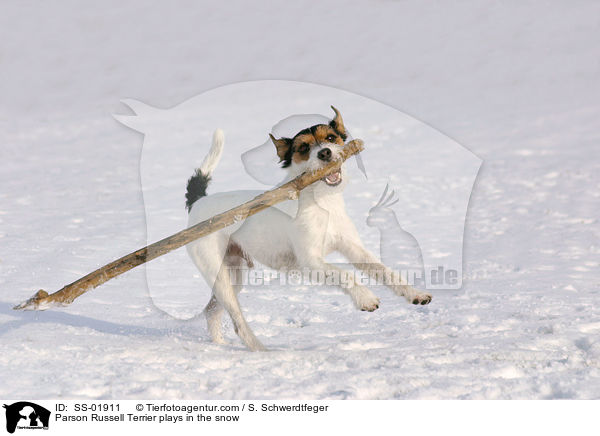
column 313, row 148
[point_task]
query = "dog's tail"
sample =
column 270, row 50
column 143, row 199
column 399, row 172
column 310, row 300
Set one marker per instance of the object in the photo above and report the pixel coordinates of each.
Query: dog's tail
column 196, row 185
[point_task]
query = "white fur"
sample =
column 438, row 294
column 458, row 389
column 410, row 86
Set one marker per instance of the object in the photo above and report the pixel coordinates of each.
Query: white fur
column 301, row 238
column 213, row 157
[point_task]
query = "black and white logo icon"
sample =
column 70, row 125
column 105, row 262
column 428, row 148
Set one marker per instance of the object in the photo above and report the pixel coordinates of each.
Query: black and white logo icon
column 26, row 415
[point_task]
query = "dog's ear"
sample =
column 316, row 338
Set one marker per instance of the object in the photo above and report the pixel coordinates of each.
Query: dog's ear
column 283, row 145
column 338, row 124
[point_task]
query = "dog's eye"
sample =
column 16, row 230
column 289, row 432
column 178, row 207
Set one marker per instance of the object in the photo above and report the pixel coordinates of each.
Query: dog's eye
column 331, row 138
column 303, row 148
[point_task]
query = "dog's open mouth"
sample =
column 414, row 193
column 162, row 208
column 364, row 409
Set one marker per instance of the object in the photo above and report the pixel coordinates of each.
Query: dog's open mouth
column 333, row 179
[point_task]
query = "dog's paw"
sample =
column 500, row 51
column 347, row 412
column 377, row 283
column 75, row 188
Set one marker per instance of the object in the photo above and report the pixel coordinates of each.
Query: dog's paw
column 365, row 300
column 370, row 307
column 421, row 299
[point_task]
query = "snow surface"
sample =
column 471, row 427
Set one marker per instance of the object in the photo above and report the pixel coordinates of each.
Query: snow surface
column 515, row 84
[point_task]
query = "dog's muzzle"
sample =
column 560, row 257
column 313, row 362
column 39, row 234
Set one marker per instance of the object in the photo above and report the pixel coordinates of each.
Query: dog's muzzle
column 332, row 179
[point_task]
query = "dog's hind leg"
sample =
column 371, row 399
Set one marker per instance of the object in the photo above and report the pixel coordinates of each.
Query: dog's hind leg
column 226, row 296
column 208, row 254
column 217, row 259
column 214, row 310
column 214, row 313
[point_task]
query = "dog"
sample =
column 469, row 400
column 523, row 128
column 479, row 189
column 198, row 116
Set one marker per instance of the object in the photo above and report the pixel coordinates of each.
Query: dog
column 281, row 241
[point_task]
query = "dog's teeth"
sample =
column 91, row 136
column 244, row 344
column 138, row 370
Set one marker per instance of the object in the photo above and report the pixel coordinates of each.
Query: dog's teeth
column 334, row 178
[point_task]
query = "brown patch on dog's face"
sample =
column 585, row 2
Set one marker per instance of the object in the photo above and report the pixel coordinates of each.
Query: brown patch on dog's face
column 298, row 148
column 304, row 142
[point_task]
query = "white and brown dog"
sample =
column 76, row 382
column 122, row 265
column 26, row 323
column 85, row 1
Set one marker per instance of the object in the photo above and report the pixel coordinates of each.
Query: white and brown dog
column 281, row 241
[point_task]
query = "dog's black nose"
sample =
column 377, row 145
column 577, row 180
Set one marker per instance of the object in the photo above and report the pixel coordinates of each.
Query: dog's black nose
column 325, row 155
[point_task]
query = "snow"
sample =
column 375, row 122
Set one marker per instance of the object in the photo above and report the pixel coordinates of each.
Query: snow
column 514, row 84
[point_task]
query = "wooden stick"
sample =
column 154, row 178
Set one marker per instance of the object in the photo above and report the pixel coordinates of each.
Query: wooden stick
column 42, row 300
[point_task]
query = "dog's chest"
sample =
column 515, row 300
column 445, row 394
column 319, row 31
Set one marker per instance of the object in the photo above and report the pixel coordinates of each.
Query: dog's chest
column 323, row 223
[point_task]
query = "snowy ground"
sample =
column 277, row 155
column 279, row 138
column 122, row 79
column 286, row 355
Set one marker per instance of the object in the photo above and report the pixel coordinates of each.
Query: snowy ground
column 518, row 86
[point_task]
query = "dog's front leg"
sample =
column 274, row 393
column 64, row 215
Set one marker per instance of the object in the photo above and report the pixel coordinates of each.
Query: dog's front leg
column 309, row 239
column 361, row 296
column 366, row 261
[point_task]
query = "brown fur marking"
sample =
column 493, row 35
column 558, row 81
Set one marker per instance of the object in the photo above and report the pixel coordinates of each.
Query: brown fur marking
column 235, row 254
column 319, row 134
